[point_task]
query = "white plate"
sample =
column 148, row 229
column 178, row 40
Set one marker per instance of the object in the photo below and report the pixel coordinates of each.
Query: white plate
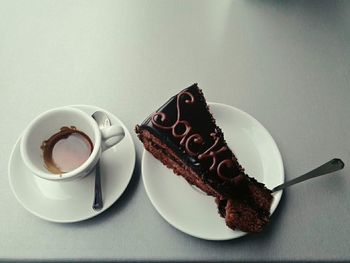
column 66, row 202
column 195, row 213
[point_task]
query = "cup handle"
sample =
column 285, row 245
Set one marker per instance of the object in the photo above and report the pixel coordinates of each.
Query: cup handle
column 111, row 136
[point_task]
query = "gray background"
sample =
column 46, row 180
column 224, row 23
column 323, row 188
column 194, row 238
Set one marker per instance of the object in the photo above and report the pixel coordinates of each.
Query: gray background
column 287, row 63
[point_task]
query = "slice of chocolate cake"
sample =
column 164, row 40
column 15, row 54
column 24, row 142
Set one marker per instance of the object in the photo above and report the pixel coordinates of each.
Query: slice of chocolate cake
column 183, row 135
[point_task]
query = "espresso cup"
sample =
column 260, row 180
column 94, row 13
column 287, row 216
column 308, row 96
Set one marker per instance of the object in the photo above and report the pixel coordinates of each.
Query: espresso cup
column 65, row 143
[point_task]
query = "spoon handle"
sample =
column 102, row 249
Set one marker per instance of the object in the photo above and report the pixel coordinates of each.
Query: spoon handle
column 98, row 203
column 328, row 167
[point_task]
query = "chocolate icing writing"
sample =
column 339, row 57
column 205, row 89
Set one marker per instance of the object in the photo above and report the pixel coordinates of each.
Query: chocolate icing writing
column 228, row 163
column 211, row 153
column 196, row 138
column 182, row 130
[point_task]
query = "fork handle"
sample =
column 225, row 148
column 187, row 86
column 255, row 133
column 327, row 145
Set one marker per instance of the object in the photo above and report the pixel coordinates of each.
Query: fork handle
column 329, row 167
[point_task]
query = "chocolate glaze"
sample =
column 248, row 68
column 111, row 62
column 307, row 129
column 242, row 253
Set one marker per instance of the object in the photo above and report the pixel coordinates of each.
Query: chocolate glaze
column 197, row 140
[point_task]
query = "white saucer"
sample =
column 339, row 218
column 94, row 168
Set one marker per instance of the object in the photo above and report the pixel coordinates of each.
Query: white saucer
column 66, row 202
column 195, row 213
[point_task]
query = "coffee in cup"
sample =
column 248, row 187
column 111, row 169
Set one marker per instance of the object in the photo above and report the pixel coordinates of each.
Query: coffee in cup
column 66, row 150
column 66, row 143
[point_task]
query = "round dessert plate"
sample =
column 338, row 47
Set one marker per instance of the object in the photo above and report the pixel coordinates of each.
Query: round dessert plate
column 191, row 210
column 66, row 202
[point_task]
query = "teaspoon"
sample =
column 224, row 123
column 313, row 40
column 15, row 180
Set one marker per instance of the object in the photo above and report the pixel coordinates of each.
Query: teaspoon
column 102, row 121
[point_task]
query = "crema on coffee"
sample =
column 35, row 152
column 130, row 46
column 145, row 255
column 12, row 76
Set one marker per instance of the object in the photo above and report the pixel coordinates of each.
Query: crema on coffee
column 66, row 150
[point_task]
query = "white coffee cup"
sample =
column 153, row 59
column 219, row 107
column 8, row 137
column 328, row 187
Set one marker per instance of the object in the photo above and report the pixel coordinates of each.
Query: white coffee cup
column 49, row 123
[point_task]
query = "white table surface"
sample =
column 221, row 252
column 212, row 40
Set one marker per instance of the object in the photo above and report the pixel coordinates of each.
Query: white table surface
column 287, row 63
